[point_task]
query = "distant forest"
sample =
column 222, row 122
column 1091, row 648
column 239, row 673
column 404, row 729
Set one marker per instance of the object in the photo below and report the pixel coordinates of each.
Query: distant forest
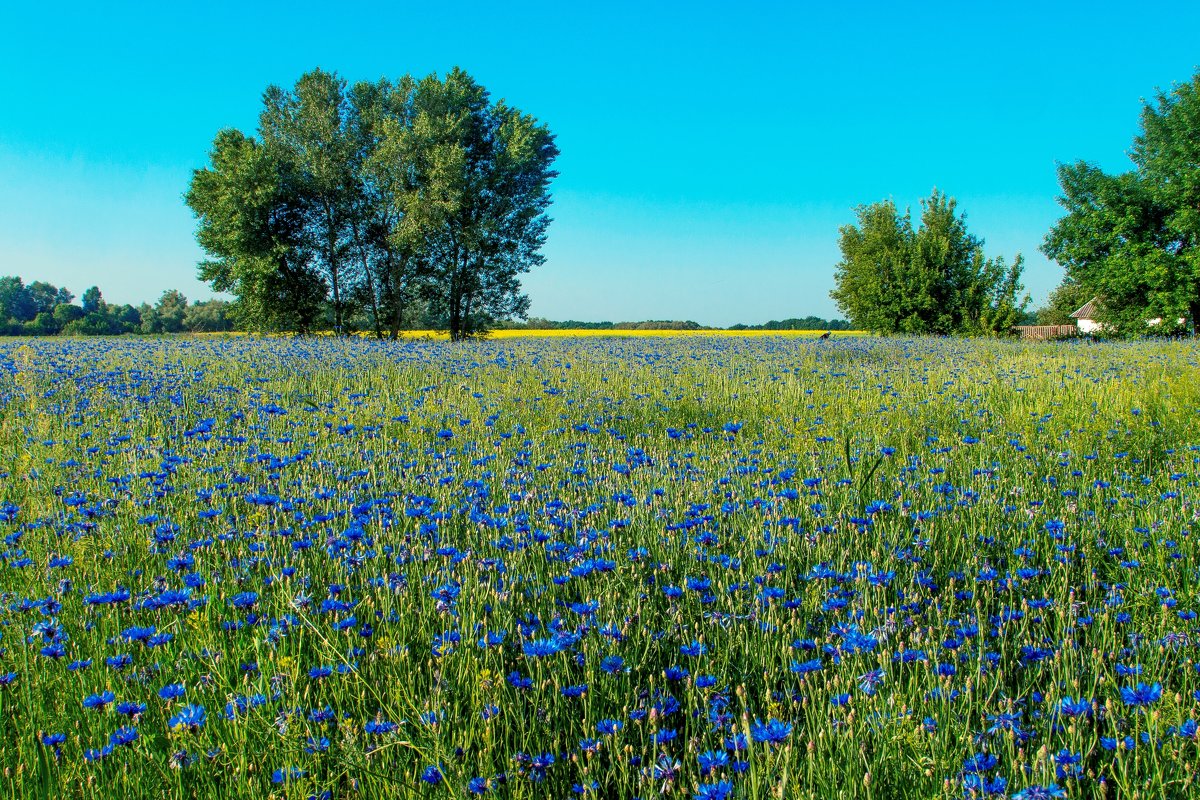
column 42, row 309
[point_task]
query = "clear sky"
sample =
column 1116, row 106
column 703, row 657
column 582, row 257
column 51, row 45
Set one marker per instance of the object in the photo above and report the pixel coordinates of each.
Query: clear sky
column 710, row 151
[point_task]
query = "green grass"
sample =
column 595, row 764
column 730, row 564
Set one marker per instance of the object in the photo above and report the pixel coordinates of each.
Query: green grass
column 1023, row 513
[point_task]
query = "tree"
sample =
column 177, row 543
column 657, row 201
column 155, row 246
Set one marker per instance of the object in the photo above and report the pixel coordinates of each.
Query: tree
column 44, row 295
column 93, row 301
column 169, row 313
column 66, row 313
column 1066, row 299
column 209, row 316
column 16, row 301
column 372, row 201
column 1135, row 237
column 127, row 318
column 251, row 224
column 292, row 220
column 471, row 181
column 932, row 279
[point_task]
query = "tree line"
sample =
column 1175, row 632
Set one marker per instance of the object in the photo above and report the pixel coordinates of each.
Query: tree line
column 1130, row 241
column 42, row 309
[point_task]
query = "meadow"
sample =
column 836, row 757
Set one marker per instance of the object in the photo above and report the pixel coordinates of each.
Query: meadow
column 546, row 567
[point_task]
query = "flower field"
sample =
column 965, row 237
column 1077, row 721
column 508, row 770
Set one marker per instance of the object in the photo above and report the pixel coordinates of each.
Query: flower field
column 695, row 566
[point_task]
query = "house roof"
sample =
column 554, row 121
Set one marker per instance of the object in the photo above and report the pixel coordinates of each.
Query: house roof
column 1087, row 312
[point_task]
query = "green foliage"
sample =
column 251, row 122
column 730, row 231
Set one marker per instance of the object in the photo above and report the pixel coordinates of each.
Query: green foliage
column 356, row 205
column 793, row 324
column 210, row 316
column 167, row 315
column 16, row 301
column 932, row 279
column 66, row 313
column 470, row 184
column 251, row 223
column 1065, row 300
column 93, row 301
column 1135, row 237
column 39, row 309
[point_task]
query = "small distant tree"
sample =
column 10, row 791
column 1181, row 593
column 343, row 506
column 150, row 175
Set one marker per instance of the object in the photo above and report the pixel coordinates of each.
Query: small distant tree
column 93, row 301
column 127, row 318
column 43, row 324
column 209, row 316
column 170, row 311
column 17, row 303
column 933, row 278
column 44, row 295
column 1067, row 298
column 66, row 313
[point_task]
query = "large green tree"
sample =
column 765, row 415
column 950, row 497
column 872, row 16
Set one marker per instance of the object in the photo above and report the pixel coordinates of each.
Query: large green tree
column 251, row 224
column 1134, row 237
column 929, row 279
column 361, row 203
column 471, row 179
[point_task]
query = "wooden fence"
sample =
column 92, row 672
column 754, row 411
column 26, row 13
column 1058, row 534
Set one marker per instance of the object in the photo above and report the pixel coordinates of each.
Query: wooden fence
column 1047, row 331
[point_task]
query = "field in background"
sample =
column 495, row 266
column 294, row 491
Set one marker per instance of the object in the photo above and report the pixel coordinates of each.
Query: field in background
column 592, row 334
column 709, row 566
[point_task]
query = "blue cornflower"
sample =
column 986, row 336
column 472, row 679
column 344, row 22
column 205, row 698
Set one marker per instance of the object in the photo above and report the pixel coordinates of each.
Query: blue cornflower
column 1076, row 708
column 805, row 667
column 976, row 785
column 712, row 760
column 123, row 737
column 714, row 791
column 1141, row 695
column 189, row 717
column 980, row 762
column 1040, row 792
column 612, row 664
column 607, row 727
column 172, row 691
column 130, row 709
column 540, row 648
column 99, row 700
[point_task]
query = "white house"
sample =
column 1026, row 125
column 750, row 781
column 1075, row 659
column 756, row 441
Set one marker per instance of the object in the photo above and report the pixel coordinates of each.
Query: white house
column 1085, row 318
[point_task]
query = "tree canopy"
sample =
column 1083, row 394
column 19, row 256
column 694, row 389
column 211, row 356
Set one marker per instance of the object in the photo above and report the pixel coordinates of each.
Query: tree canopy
column 358, row 207
column 1134, row 237
column 928, row 279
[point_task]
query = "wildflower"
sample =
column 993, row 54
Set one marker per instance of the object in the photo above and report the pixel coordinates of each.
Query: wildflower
column 188, row 717
column 1049, row 792
column 714, row 791
column 771, row 732
column 1141, row 695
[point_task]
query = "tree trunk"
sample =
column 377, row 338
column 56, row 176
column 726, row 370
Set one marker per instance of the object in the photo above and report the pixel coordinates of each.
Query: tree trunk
column 370, row 279
column 334, row 278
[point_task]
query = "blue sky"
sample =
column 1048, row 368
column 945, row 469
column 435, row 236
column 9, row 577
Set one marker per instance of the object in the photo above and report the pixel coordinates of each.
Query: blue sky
column 709, row 152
